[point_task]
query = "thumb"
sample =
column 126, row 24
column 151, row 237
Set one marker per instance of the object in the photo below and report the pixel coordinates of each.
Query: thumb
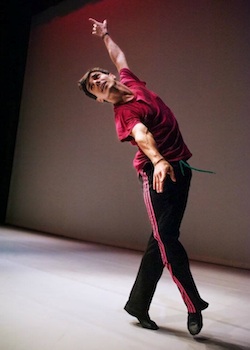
column 105, row 23
column 172, row 175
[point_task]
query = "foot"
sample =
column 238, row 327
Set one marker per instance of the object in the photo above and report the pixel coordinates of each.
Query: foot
column 194, row 323
column 143, row 319
column 146, row 322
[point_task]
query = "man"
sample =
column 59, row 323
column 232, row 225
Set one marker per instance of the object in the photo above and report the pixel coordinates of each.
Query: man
column 142, row 118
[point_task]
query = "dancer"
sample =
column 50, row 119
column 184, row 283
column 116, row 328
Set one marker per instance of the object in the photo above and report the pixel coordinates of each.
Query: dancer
column 142, row 118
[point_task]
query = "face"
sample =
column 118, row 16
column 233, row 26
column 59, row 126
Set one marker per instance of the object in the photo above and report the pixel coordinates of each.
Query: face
column 99, row 84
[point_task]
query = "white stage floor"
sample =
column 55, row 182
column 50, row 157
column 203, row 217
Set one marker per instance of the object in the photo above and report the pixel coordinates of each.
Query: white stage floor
column 61, row 294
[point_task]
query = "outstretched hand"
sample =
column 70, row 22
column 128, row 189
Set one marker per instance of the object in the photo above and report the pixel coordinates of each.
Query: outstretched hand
column 99, row 28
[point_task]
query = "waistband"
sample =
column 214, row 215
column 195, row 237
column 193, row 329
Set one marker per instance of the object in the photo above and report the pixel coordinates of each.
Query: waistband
column 182, row 164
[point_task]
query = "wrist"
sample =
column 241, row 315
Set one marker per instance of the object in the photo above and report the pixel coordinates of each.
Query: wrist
column 158, row 161
column 103, row 36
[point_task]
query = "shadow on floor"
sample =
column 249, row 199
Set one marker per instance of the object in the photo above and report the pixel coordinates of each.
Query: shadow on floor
column 210, row 343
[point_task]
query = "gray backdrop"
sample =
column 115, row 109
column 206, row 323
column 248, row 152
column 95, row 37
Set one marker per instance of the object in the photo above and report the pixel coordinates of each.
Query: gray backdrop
column 71, row 175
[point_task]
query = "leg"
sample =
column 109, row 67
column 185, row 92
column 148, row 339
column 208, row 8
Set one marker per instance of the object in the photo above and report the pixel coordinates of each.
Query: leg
column 141, row 295
column 149, row 273
column 166, row 211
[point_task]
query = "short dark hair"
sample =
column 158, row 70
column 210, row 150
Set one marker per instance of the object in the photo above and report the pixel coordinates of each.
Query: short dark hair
column 82, row 83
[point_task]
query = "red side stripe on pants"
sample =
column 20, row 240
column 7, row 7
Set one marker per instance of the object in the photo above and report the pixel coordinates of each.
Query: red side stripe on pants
column 152, row 217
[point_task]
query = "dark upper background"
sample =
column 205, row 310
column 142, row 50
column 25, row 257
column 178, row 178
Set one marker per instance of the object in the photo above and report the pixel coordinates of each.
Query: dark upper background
column 15, row 21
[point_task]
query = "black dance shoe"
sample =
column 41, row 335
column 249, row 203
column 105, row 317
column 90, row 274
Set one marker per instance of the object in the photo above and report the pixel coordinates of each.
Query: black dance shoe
column 146, row 322
column 144, row 319
column 194, row 323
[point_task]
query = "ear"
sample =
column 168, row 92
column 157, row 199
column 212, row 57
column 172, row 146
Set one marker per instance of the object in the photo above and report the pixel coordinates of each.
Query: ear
column 100, row 99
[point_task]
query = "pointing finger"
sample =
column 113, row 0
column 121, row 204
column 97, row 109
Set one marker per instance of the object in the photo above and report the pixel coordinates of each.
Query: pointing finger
column 93, row 20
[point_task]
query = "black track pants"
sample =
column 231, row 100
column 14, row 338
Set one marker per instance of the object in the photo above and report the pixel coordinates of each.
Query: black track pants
column 165, row 211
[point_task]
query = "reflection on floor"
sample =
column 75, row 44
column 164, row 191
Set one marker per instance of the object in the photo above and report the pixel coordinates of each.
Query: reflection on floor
column 60, row 294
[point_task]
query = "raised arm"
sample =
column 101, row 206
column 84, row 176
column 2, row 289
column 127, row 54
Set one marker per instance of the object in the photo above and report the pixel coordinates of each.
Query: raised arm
column 146, row 143
column 116, row 54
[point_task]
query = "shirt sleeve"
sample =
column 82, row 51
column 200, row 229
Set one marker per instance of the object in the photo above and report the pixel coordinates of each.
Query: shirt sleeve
column 127, row 77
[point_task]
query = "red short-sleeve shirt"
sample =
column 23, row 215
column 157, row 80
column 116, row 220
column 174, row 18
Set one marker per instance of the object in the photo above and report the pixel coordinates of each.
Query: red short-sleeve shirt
column 149, row 109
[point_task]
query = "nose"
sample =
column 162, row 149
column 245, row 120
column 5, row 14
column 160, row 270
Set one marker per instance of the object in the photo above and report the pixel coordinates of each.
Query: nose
column 97, row 81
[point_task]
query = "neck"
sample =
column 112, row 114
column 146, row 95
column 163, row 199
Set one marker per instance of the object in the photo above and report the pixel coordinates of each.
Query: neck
column 120, row 94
